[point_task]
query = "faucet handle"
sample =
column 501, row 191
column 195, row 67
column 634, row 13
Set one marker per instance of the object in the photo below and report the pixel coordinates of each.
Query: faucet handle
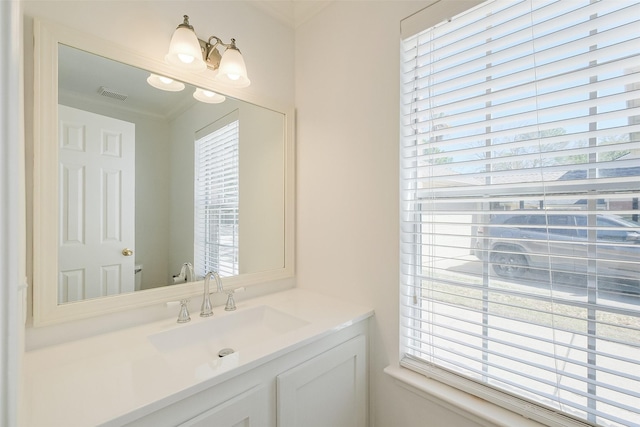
column 231, row 303
column 183, row 316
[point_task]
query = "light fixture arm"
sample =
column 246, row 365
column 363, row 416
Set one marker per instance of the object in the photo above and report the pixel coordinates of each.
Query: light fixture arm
column 211, row 54
column 231, row 45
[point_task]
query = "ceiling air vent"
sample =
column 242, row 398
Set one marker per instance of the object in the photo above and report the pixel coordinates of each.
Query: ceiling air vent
column 110, row 93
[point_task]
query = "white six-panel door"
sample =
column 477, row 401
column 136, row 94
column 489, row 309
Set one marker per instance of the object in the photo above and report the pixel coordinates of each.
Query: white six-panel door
column 97, row 188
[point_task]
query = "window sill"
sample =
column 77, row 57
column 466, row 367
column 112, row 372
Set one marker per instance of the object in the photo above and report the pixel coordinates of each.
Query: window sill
column 473, row 408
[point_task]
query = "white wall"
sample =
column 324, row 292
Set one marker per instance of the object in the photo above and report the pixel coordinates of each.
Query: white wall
column 347, row 99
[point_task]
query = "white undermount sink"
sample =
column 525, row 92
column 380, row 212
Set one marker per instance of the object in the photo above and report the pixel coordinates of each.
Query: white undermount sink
column 236, row 330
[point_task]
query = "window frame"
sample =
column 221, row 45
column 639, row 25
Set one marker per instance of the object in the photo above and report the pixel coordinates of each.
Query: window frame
column 513, row 402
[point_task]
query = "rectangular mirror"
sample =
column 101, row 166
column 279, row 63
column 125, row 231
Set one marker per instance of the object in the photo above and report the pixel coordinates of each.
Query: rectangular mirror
column 133, row 182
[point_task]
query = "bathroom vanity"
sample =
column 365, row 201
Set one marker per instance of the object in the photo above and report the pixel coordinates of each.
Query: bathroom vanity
column 290, row 358
column 293, row 358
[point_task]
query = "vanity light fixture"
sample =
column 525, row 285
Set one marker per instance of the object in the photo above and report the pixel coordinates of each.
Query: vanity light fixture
column 164, row 83
column 188, row 51
column 207, row 96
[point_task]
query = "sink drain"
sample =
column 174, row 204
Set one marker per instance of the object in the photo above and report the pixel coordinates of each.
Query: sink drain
column 225, row 352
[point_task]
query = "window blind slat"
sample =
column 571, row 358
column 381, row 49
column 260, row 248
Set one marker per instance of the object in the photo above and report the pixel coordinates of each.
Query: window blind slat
column 513, row 51
column 536, row 310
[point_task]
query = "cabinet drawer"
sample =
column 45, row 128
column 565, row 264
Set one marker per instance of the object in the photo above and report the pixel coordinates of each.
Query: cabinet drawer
column 249, row 409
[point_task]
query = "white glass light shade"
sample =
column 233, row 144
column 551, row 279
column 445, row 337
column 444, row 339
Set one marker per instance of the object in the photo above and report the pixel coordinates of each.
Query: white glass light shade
column 207, row 96
column 232, row 70
column 164, row 83
column 184, row 50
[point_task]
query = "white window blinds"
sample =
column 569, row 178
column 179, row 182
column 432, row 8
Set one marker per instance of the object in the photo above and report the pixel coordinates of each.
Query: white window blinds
column 217, row 197
column 520, row 172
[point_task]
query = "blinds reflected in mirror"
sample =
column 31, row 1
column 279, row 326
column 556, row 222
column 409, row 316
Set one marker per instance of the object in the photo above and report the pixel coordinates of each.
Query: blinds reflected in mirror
column 217, row 197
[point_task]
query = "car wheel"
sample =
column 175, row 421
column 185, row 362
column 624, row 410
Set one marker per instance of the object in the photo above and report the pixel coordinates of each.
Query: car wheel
column 509, row 265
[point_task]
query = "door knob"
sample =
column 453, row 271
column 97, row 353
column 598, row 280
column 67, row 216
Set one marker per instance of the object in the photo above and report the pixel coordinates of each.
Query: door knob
column 127, row 252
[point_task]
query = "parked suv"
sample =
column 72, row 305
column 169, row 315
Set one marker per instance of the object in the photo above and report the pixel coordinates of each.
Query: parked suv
column 519, row 241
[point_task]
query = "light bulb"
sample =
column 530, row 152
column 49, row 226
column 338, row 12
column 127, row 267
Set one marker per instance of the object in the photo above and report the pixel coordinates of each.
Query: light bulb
column 187, row 59
column 164, row 83
column 204, row 95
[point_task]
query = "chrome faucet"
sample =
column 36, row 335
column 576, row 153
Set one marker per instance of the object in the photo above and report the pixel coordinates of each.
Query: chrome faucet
column 206, row 309
column 188, row 270
column 186, row 274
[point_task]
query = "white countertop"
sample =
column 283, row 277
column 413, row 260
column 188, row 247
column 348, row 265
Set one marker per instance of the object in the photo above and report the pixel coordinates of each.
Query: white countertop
column 94, row 380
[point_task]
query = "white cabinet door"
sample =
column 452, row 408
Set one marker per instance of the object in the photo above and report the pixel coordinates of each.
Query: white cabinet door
column 328, row 390
column 249, row 409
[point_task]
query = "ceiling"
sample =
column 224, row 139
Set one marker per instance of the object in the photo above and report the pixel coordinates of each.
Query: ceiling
column 81, row 76
column 292, row 12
